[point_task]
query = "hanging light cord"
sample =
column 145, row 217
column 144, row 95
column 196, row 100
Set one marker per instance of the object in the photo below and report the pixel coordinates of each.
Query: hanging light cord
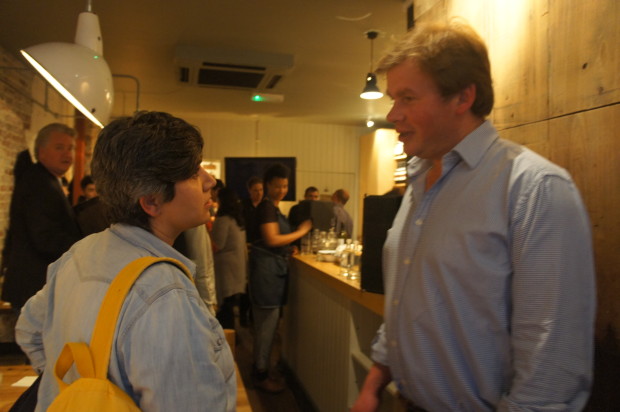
column 372, row 35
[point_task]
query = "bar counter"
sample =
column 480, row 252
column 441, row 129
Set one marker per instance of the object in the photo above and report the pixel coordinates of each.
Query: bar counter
column 327, row 329
column 329, row 273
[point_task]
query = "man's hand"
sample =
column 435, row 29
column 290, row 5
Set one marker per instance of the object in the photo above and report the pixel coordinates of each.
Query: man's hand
column 370, row 396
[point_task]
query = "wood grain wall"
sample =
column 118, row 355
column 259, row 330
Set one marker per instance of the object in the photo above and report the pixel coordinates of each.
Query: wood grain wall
column 557, row 88
column 557, row 91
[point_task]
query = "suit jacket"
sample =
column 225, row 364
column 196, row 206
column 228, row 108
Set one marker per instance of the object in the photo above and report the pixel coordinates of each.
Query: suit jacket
column 91, row 216
column 42, row 227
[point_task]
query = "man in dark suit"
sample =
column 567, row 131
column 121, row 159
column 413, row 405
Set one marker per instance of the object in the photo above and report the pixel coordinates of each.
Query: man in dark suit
column 41, row 222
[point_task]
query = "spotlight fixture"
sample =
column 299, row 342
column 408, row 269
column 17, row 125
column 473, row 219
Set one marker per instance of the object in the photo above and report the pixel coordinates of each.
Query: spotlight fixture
column 78, row 70
column 371, row 91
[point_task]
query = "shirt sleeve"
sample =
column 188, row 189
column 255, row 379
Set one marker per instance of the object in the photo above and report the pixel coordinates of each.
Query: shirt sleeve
column 29, row 327
column 219, row 233
column 176, row 358
column 201, row 253
column 379, row 347
column 266, row 212
column 553, row 298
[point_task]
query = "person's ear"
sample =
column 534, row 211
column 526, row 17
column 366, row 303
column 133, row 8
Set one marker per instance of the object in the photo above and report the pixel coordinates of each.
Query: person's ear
column 151, row 204
column 466, row 98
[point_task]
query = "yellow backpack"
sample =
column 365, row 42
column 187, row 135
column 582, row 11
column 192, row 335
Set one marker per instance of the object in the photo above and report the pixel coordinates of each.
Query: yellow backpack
column 93, row 391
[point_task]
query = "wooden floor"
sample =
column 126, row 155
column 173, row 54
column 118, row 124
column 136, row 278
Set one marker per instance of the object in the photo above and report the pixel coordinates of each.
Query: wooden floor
column 13, row 366
column 291, row 400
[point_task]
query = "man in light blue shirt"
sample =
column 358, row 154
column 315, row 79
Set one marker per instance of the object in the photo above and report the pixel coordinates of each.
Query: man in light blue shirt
column 488, row 267
column 169, row 353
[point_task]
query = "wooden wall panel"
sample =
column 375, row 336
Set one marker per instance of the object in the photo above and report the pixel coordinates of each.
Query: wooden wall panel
column 584, row 38
column 588, row 145
column 557, row 87
column 534, row 136
column 519, row 54
column 431, row 10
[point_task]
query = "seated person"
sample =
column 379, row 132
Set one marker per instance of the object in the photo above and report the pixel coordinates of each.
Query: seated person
column 169, row 353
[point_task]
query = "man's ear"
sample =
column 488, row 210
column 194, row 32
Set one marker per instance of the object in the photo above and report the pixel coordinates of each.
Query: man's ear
column 151, row 204
column 466, row 98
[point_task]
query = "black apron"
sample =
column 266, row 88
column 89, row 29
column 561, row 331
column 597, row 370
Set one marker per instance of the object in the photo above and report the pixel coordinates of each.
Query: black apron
column 268, row 283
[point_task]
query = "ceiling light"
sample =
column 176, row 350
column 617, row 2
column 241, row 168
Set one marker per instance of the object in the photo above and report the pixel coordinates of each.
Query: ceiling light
column 370, row 123
column 371, row 91
column 78, row 70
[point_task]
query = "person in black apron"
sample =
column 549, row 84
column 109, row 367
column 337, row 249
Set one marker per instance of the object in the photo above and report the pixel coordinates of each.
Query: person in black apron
column 269, row 271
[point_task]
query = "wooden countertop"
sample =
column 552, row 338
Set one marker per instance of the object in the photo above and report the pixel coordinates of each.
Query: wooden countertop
column 329, row 273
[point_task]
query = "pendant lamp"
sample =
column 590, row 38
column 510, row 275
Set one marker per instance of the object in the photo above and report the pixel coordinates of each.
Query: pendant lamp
column 78, row 70
column 371, row 91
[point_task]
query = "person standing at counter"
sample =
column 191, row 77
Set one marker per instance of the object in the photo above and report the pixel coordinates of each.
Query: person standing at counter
column 342, row 219
column 298, row 214
column 488, row 267
column 269, row 271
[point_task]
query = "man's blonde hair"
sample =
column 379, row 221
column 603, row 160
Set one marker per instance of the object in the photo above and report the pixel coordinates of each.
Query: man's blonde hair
column 452, row 54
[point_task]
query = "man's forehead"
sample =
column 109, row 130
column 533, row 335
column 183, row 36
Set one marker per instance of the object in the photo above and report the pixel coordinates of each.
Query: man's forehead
column 60, row 137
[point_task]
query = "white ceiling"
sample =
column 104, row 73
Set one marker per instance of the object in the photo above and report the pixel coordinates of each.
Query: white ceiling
column 326, row 37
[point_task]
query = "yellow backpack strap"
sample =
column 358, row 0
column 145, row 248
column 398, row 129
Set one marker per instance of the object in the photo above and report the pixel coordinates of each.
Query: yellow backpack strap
column 103, row 334
column 77, row 352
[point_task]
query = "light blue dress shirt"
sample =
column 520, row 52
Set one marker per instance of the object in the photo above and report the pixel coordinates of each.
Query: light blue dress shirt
column 489, row 279
column 169, row 354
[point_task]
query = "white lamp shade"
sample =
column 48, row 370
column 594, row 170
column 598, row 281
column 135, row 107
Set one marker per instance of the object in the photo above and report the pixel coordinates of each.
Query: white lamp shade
column 80, row 74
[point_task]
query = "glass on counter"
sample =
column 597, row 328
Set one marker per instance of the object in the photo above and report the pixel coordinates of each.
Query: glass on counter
column 306, row 244
column 350, row 259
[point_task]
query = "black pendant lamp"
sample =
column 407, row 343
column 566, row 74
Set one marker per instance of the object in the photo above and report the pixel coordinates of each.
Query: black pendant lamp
column 371, row 91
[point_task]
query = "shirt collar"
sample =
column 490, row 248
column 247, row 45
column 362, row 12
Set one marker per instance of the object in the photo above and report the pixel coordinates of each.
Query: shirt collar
column 151, row 243
column 470, row 150
column 474, row 145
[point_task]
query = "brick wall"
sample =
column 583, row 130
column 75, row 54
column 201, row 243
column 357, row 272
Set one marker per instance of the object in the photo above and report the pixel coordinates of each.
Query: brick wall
column 15, row 119
column 26, row 105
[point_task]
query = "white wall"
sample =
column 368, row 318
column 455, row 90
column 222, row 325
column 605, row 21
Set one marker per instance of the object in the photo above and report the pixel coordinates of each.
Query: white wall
column 327, row 155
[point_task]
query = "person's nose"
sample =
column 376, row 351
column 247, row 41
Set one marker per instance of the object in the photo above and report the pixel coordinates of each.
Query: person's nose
column 394, row 115
column 208, row 181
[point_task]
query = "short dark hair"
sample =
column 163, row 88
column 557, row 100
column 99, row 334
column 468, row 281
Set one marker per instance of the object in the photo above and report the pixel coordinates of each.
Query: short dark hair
column 230, row 205
column 252, row 181
column 86, row 180
column 143, row 155
column 310, row 189
column 218, row 185
column 275, row 171
column 342, row 196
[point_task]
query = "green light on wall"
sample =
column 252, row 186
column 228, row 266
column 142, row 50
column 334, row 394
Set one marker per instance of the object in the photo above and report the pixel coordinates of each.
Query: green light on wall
column 267, row 97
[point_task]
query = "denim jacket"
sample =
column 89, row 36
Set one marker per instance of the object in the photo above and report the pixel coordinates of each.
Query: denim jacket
column 169, row 352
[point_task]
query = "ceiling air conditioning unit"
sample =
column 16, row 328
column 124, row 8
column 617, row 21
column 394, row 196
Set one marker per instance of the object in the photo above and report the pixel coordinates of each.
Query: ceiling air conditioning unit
column 237, row 69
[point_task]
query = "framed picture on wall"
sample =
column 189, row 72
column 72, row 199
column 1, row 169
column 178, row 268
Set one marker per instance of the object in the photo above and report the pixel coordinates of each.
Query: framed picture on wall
column 238, row 170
